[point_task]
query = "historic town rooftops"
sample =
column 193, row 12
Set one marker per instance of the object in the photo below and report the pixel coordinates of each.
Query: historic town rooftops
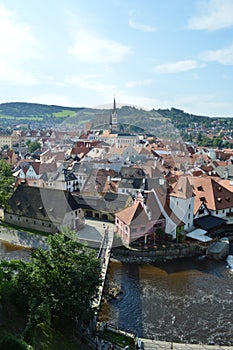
column 212, row 193
column 96, row 182
column 132, row 183
column 134, row 215
column 41, row 203
column 224, row 170
column 81, row 167
column 132, row 172
column 182, row 188
column 110, row 202
column 161, row 193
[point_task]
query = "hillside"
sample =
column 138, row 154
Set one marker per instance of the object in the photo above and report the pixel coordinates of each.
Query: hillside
column 131, row 119
column 30, row 110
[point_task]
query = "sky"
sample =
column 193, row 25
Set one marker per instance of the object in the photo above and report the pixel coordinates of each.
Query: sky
column 147, row 53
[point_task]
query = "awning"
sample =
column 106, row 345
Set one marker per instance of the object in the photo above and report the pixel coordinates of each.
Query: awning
column 199, row 235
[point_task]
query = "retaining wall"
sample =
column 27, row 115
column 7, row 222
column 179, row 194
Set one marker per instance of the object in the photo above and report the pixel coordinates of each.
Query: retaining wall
column 151, row 255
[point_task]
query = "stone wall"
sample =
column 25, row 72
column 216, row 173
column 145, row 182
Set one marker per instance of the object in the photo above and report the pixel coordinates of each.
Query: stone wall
column 147, row 256
column 30, row 223
column 22, row 238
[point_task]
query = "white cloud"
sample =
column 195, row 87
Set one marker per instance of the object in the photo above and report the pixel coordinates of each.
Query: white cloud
column 17, row 47
column 214, row 15
column 206, row 104
column 51, row 99
column 91, row 82
column 223, row 56
column 178, row 67
column 142, row 27
column 133, row 83
column 91, row 48
column 16, row 76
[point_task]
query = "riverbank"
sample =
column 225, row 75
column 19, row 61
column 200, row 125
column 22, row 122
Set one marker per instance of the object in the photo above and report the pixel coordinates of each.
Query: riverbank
column 22, row 238
column 147, row 344
column 158, row 253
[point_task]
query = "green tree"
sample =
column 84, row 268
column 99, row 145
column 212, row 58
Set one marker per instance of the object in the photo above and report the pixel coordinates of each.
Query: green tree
column 10, row 342
column 6, row 182
column 62, row 281
column 33, row 146
column 5, row 147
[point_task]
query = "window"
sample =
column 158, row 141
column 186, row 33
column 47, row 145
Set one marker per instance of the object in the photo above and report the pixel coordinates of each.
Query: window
column 134, row 230
column 143, row 228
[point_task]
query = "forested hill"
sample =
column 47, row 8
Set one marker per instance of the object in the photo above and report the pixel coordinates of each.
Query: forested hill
column 127, row 115
column 24, row 109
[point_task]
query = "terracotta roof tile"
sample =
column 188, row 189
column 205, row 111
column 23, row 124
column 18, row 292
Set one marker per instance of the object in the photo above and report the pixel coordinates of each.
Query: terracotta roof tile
column 134, row 215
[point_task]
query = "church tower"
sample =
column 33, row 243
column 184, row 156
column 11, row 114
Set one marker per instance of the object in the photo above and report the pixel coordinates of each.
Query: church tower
column 113, row 118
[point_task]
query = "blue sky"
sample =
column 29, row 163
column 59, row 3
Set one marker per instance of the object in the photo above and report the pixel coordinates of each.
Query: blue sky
column 149, row 53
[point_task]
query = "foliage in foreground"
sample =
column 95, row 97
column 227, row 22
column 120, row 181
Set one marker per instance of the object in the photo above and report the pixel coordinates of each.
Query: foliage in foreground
column 6, row 182
column 61, row 282
column 10, row 342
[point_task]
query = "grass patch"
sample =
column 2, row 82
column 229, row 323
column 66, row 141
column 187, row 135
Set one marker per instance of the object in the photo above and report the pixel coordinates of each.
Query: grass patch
column 118, row 339
column 65, row 113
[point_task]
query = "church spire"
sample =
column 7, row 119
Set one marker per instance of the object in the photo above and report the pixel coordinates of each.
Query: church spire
column 113, row 117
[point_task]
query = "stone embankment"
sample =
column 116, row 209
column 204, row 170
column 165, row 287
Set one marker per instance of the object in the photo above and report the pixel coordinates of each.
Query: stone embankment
column 162, row 253
column 22, row 238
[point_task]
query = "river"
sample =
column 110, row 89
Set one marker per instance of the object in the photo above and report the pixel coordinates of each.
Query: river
column 10, row 251
column 185, row 300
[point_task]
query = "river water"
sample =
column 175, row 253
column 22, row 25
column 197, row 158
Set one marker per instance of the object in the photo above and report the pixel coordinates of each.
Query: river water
column 197, row 291
column 10, row 251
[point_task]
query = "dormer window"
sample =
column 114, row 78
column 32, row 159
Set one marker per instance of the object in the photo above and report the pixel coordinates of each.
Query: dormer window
column 200, row 188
